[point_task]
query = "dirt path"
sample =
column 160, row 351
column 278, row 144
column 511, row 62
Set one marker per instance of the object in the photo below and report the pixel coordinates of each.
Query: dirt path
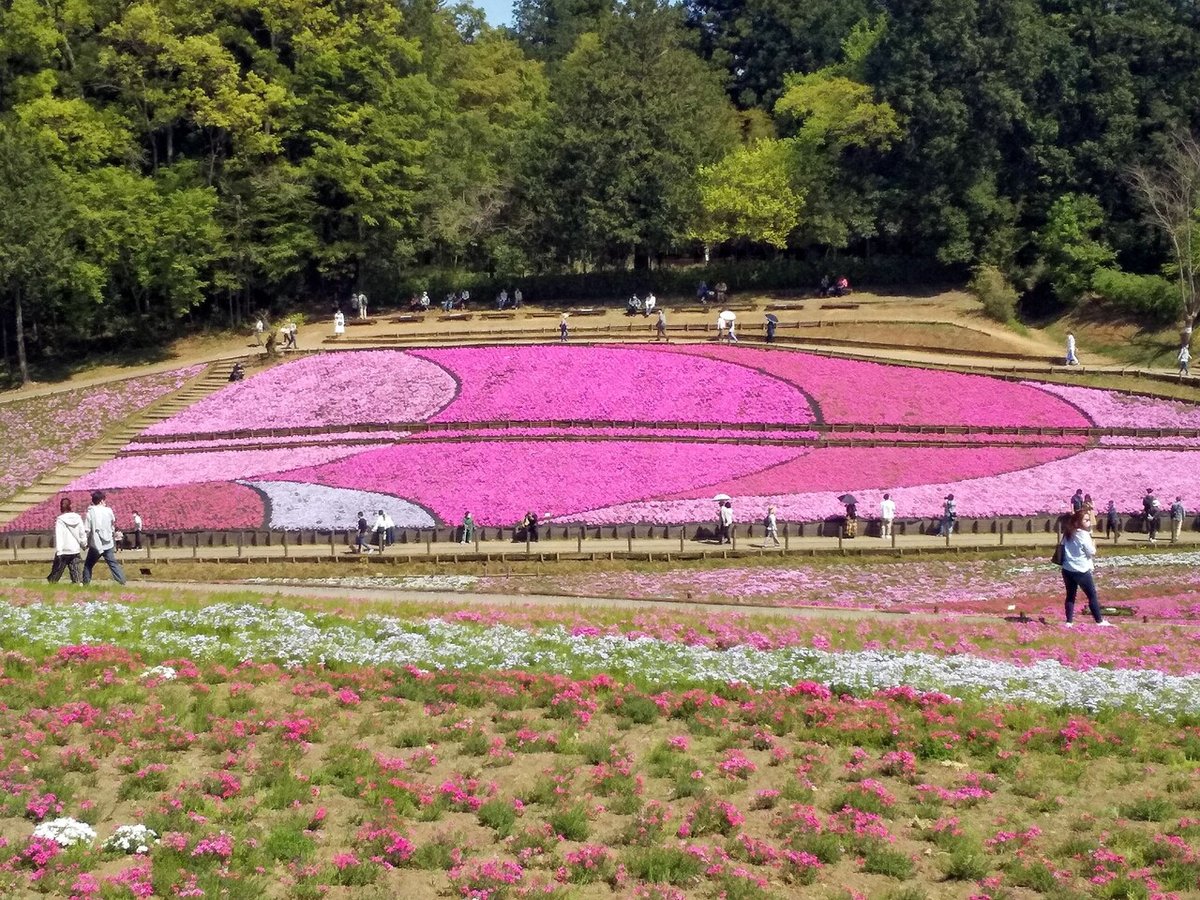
column 401, row 595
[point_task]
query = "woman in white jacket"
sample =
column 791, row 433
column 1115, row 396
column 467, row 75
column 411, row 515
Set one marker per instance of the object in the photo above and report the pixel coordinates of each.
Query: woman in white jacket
column 1078, row 553
column 69, row 539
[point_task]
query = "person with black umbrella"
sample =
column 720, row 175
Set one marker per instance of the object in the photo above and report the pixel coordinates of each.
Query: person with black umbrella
column 851, row 504
column 772, row 324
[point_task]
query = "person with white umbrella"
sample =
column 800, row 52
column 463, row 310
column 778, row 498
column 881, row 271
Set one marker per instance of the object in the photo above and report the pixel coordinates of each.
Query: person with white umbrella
column 725, row 325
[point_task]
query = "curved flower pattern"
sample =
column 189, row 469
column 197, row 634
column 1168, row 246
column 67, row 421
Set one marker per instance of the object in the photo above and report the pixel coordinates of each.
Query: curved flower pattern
column 647, row 473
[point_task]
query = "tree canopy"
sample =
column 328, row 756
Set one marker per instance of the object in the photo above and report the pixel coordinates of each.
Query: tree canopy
column 164, row 161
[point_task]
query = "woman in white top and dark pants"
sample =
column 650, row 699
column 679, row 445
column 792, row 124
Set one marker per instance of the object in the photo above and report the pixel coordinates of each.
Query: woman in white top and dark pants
column 1078, row 553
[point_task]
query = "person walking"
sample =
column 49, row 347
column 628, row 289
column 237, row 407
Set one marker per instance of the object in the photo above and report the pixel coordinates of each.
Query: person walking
column 733, row 339
column 772, row 526
column 101, row 525
column 726, row 523
column 1077, row 501
column 851, row 519
column 887, row 513
column 1078, row 552
column 379, row 529
column 949, row 516
column 518, row 298
column 362, row 306
column 70, row 536
column 1177, row 516
column 468, row 529
column 1112, row 520
column 660, row 327
column 1185, row 359
column 1089, row 513
column 339, row 323
column 563, row 330
column 137, row 530
column 363, row 542
column 389, row 527
column 1072, row 359
column 1150, row 510
column 259, row 327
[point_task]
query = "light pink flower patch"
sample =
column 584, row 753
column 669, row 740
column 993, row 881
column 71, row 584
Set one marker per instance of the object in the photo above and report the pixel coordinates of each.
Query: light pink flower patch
column 327, row 390
column 1116, row 410
column 189, row 468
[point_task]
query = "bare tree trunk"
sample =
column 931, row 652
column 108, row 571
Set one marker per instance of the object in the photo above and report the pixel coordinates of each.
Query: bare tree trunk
column 22, row 362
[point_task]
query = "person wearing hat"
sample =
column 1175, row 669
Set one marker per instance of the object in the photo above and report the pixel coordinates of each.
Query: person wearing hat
column 1177, row 516
column 1150, row 510
column 563, row 330
column 949, row 515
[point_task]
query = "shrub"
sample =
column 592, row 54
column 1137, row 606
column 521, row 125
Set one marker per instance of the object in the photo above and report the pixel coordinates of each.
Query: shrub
column 498, row 814
column 966, row 865
column 999, row 298
column 571, row 823
column 880, row 860
column 663, row 864
column 1146, row 298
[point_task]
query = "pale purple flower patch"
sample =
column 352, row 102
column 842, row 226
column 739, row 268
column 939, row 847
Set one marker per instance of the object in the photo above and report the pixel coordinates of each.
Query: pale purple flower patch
column 295, row 505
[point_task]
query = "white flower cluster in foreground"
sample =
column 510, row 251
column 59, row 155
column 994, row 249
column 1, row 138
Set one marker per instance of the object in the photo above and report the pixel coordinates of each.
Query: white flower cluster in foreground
column 1128, row 561
column 248, row 631
column 66, row 832
column 162, row 673
column 404, row 583
column 132, row 839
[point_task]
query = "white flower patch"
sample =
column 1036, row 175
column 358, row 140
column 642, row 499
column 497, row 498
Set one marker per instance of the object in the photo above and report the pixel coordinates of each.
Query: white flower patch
column 294, row 638
column 1128, row 561
column 404, row 583
column 132, row 839
column 162, row 673
column 66, row 832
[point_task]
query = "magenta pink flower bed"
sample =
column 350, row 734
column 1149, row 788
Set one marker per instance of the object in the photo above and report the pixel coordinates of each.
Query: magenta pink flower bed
column 604, row 475
column 537, row 383
column 500, row 481
column 848, row 390
column 211, row 505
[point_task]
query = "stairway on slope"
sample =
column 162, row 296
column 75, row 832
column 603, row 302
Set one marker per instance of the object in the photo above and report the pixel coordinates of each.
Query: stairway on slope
column 215, row 377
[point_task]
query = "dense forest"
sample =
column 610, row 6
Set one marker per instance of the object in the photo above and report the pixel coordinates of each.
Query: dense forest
column 167, row 161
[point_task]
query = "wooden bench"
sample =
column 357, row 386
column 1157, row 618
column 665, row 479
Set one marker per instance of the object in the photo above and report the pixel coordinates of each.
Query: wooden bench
column 588, row 311
column 456, row 317
column 499, row 315
column 408, row 317
column 352, row 322
column 840, row 305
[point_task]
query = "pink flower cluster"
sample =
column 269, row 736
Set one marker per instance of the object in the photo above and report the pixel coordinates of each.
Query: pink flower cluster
column 604, row 476
column 42, row 433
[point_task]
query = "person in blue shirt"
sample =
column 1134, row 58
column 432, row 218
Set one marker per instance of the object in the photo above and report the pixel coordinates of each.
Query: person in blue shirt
column 1078, row 555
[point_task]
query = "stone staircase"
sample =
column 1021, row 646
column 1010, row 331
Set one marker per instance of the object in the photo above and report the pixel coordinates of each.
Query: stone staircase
column 212, row 379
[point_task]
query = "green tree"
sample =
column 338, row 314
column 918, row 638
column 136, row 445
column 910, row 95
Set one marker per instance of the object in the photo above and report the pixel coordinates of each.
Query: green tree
column 836, row 126
column 635, row 113
column 548, row 29
column 43, row 275
column 758, row 42
column 750, row 195
column 1070, row 252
